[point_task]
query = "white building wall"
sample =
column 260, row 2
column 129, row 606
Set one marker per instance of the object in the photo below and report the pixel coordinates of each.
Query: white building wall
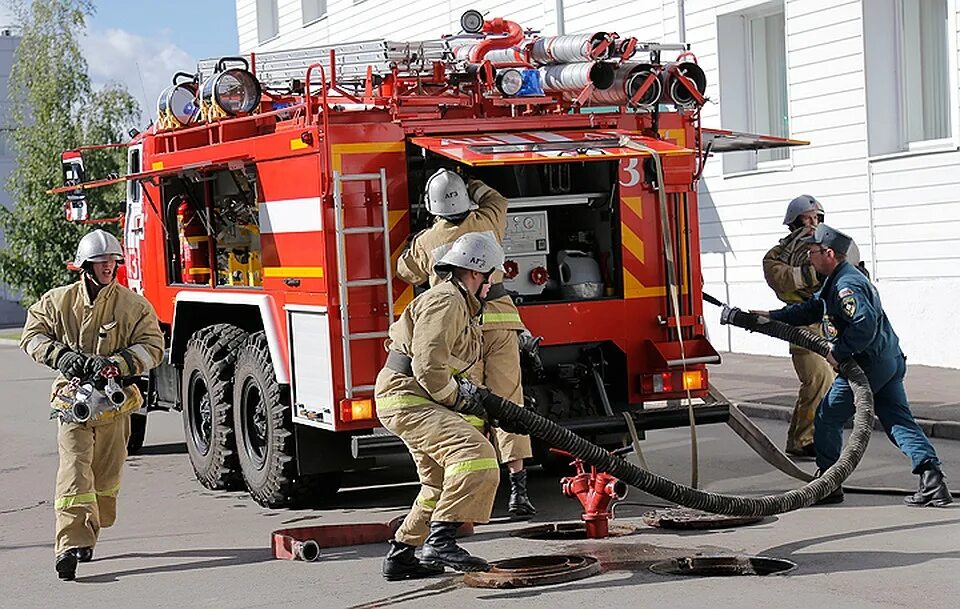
column 903, row 210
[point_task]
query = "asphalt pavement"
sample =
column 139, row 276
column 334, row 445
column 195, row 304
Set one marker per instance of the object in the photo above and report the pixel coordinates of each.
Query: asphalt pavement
column 179, row 545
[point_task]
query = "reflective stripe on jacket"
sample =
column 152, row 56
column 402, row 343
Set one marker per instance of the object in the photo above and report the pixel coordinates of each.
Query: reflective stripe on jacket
column 440, row 331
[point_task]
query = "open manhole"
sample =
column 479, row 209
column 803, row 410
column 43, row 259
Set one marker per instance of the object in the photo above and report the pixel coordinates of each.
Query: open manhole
column 686, row 518
column 713, row 566
column 566, row 531
column 528, row 571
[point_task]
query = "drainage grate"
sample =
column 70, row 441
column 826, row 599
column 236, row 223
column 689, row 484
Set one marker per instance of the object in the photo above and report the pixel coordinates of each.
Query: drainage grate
column 686, row 518
column 566, row 531
column 708, row 566
column 528, row 571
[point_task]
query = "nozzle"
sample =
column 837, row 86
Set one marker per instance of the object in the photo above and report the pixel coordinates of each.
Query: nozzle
column 80, row 412
column 307, row 551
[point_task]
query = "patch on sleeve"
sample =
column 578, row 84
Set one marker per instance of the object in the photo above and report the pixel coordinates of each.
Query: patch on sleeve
column 845, row 292
column 849, row 305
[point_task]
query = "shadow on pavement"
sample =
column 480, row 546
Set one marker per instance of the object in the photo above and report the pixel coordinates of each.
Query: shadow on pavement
column 171, row 448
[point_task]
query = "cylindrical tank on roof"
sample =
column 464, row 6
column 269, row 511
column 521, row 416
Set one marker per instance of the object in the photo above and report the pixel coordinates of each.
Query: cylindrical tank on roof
column 576, row 76
column 574, row 48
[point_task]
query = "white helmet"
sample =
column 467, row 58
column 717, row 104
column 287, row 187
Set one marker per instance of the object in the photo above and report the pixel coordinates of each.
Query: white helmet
column 472, row 251
column 447, row 195
column 98, row 246
column 802, row 205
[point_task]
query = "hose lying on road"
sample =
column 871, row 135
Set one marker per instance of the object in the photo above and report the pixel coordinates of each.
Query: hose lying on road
column 513, row 416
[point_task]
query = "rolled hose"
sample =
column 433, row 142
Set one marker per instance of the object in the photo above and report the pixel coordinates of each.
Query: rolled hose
column 507, row 412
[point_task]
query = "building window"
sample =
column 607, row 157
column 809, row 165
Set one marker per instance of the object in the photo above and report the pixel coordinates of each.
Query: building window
column 911, row 82
column 268, row 20
column 313, row 10
column 924, row 64
column 753, row 82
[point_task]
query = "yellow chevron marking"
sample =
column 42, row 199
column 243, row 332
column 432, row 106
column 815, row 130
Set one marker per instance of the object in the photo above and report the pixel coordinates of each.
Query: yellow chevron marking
column 338, row 150
column 634, row 204
column 632, row 242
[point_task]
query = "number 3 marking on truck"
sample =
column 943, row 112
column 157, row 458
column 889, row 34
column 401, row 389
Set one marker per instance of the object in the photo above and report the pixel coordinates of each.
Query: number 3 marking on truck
column 631, row 169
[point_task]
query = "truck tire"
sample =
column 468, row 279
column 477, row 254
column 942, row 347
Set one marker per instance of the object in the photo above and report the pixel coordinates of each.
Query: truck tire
column 206, row 392
column 138, row 431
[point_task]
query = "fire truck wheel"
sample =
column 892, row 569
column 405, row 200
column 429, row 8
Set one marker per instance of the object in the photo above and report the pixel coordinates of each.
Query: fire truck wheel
column 206, row 395
column 138, row 431
column 262, row 420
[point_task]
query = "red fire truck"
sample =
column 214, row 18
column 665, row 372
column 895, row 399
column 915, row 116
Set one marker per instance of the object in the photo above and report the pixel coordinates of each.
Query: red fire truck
column 268, row 203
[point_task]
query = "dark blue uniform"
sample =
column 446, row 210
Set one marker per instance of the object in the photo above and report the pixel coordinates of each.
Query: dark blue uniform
column 849, row 308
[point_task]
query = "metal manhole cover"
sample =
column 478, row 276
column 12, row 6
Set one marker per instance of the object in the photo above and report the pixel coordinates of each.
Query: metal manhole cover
column 565, row 531
column 686, row 518
column 708, row 566
column 528, row 571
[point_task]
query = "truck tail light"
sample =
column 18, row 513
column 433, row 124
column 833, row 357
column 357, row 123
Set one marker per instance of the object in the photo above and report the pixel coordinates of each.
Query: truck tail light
column 356, row 410
column 673, row 381
column 693, row 380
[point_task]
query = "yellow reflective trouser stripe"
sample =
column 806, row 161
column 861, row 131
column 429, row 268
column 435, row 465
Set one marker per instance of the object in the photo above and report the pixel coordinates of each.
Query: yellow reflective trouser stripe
column 475, row 421
column 392, row 402
column 110, row 492
column 474, row 465
column 68, row 501
column 501, row 318
column 429, row 504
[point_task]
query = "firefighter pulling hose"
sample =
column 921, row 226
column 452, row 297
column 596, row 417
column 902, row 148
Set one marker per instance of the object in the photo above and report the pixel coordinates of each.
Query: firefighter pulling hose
column 502, row 412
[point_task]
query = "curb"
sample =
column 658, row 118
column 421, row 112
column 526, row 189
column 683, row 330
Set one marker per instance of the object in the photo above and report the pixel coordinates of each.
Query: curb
column 948, row 430
column 9, row 341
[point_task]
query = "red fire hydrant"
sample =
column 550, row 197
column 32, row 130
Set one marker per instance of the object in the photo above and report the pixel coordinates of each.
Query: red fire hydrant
column 595, row 490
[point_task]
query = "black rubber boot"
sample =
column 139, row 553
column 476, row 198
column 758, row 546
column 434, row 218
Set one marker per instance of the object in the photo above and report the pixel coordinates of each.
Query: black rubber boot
column 520, row 506
column 932, row 491
column 835, row 497
column 84, row 554
column 401, row 563
column 441, row 548
column 67, row 565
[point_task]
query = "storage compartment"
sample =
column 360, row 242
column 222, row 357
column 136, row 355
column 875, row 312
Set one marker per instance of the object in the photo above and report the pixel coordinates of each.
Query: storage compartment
column 212, row 228
column 562, row 224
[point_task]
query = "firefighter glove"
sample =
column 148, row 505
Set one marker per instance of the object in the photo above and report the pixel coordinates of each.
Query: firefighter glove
column 530, row 346
column 72, row 364
column 470, row 399
column 98, row 363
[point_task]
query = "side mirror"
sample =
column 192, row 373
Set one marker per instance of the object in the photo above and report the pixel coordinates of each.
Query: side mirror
column 74, row 175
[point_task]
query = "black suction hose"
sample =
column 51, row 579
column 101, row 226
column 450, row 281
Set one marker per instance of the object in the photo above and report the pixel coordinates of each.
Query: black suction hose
column 513, row 416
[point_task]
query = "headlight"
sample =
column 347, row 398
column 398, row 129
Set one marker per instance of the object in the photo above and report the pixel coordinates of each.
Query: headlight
column 509, row 81
column 235, row 91
column 179, row 102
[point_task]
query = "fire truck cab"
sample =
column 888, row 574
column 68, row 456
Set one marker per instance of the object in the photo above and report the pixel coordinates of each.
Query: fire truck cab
column 268, row 204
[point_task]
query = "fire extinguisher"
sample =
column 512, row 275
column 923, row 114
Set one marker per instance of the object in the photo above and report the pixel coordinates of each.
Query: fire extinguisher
column 194, row 245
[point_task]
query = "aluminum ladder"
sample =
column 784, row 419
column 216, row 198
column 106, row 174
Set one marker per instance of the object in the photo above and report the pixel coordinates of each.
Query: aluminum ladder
column 344, row 283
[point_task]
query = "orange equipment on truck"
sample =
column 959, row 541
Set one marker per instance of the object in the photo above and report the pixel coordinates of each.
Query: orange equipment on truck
column 265, row 229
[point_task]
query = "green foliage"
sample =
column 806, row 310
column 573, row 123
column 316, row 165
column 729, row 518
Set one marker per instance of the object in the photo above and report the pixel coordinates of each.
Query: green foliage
column 53, row 109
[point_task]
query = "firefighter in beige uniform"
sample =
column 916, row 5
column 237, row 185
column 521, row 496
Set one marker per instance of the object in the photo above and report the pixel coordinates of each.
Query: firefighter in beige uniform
column 80, row 329
column 462, row 209
column 427, row 395
column 788, row 272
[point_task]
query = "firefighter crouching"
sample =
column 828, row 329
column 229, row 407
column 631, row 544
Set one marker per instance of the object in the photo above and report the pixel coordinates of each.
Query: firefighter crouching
column 82, row 330
column 466, row 208
column 788, row 272
column 426, row 394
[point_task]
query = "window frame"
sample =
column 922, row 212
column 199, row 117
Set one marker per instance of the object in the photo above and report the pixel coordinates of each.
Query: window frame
column 275, row 10
column 323, row 15
column 738, row 87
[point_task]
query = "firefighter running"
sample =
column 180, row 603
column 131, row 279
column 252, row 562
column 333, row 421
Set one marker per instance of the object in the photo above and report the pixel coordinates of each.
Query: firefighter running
column 460, row 209
column 80, row 330
column 426, row 394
